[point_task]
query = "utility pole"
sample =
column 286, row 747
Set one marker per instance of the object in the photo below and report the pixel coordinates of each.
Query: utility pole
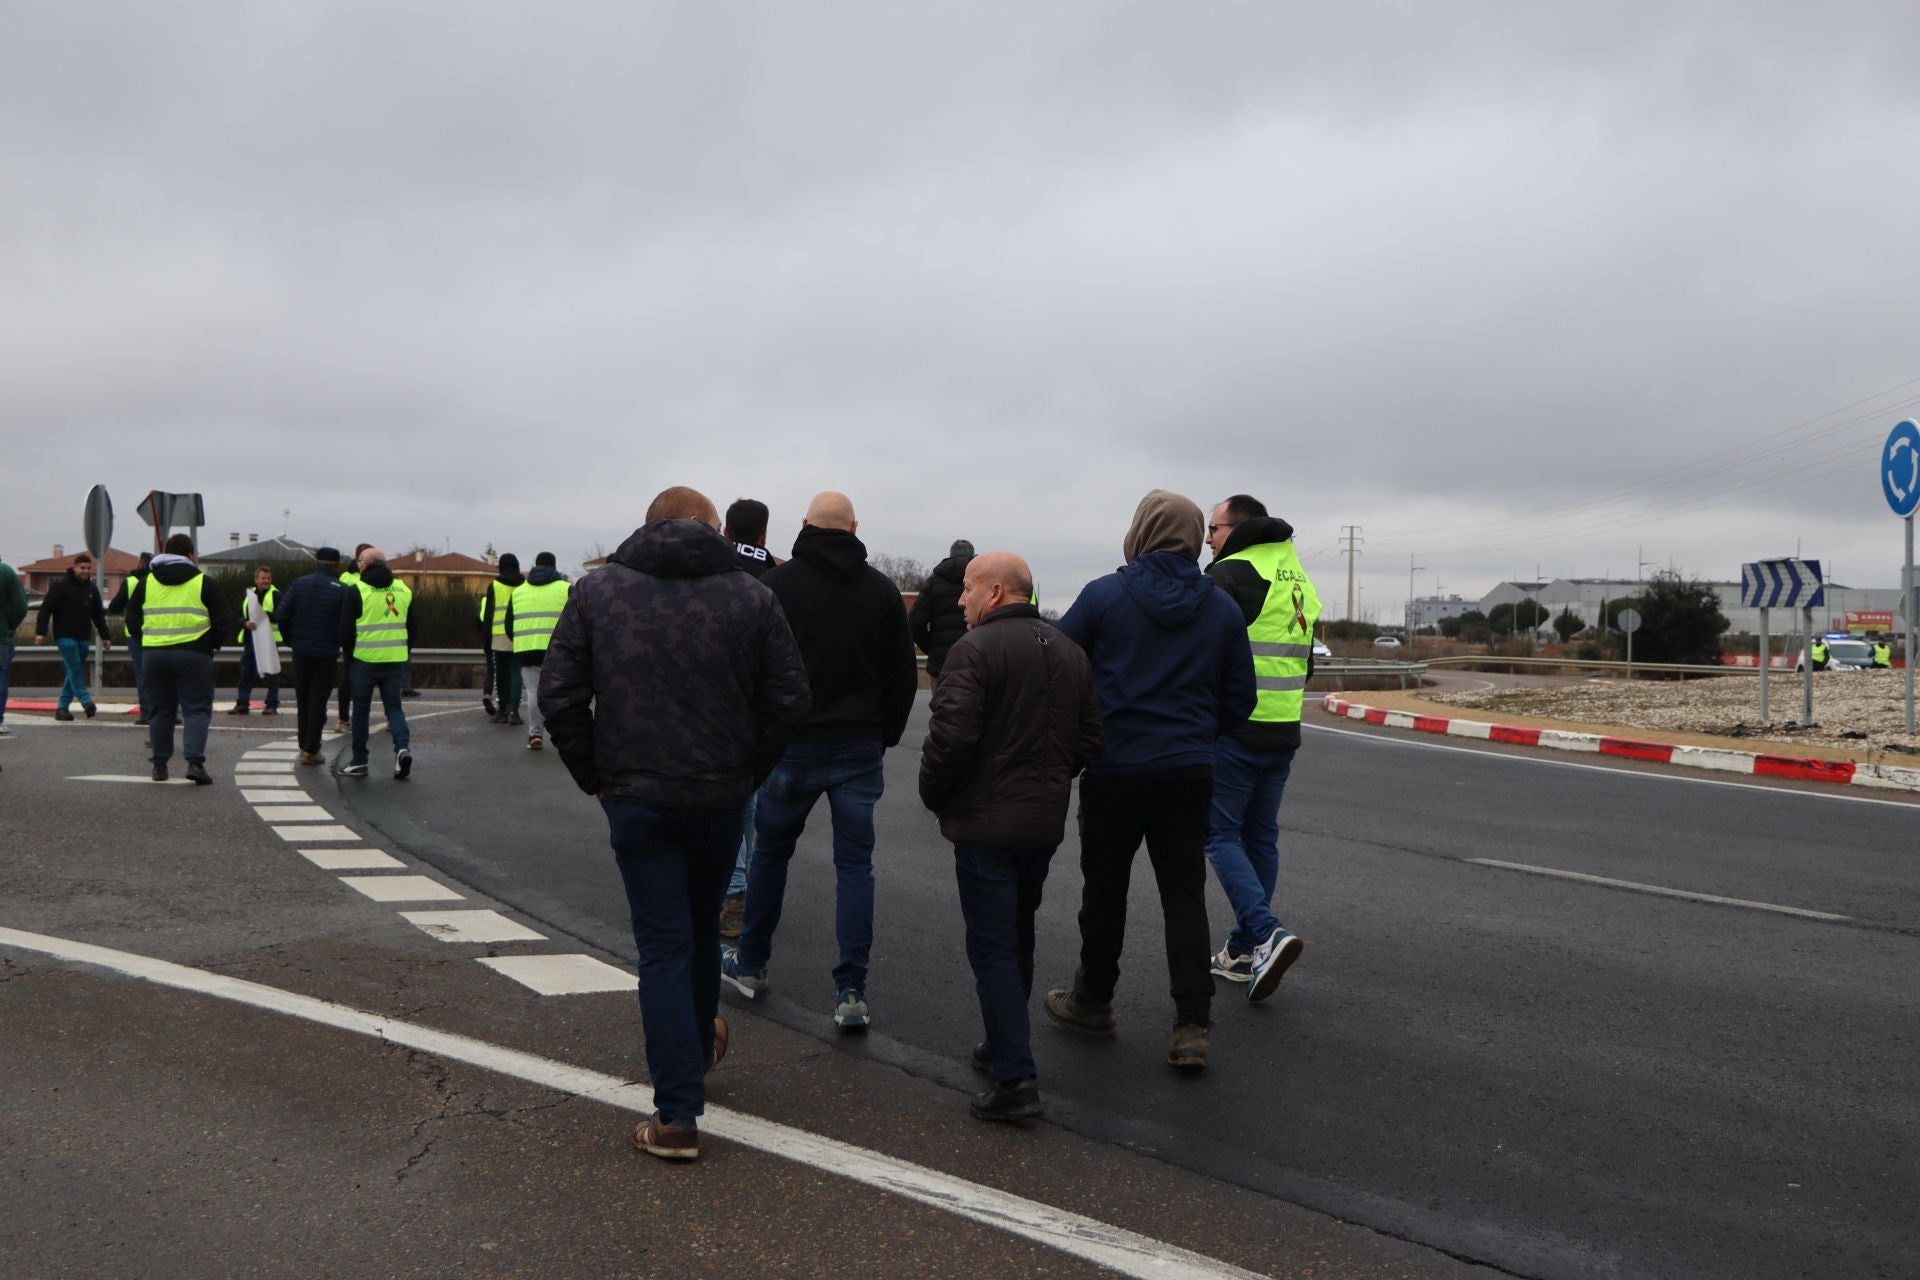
column 1412, row 569
column 1351, row 533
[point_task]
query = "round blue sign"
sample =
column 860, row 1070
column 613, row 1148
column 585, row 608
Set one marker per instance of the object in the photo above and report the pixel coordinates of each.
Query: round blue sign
column 1900, row 468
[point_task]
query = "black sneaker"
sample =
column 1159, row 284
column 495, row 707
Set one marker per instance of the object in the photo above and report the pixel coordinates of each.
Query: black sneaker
column 62, row 715
column 402, row 763
column 486, row 700
column 513, row 717
column 89, row 709
column 981, row 1060
column 239, row 711
column 197, row 773
column 1015, row 1102
column 354, row 771
column 159, row 773
column 270, row 711
column 142, row 721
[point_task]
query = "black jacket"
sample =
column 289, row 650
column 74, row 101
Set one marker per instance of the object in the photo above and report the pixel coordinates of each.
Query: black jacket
column 757, row 561
column 379, row 576
column 538, row 576
column 851, row 626
column 309, row 614
column 1014, row 720
column 1249, row 590
column 117, row 607
column 506, row 578
column 72, row 610
column 171, row 571
column 938, row 621
column 672, row 680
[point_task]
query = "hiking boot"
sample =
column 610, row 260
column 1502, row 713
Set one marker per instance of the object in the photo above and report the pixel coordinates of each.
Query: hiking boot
column 62, row 715
column 1232, row 967
column 402, row 763
column 1067, row 1009
column 159, row 773
column 1271, row 959
column 747, row 984
column 534, row 743
column 343, row 726
column 496, row 718
column 721, row 1035
column 670, row 1142
column 354, row 771
column 197, row 773
column 270, row 711
column 312, row 757
column 486, row 701
column 142, row 720
column 981, row 1059
column 1189, row 1048
column 850, row 1010
column 1019, row 1101
column 732, row 912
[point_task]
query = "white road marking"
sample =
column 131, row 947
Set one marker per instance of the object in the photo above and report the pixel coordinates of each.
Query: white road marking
column 401, row 888
column 263, row 766
column 127, row 777
column 294, row 813
column 1419, row 743
column 267, row 780
column 471, row 926
column 316, row 835
column 562, row 975
column 350, row 859
column 1662, row 890
column 291, row 795
column 1097, row 1242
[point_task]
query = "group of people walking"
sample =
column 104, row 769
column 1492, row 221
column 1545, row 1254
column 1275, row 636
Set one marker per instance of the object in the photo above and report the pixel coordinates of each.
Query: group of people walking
column 709, row 710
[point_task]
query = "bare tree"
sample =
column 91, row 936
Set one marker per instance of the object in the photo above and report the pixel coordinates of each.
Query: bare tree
column 904, row 572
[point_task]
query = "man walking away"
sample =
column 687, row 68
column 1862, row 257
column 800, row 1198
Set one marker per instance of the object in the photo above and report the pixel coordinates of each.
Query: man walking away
column 937, row 620
column 310, row 617
column 129, row 588
column 13, row 612
column 533, row 610
column 71, row 612
column 1013, row 720
column 851, row 626
column 1172, row 669
column 746, row 529
column 1254, row 561
column 351, row 581
column 178, row 617
column 268, row 595
column 503, row 671
column 670, row 688
column 376, row 633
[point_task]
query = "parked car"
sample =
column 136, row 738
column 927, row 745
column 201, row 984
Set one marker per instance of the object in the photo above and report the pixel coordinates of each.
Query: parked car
column 1844, row 653
column 1386, row 642
column 1320, row 649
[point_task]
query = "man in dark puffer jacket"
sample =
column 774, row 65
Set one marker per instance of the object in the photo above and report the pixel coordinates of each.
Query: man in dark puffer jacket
column 938, row 621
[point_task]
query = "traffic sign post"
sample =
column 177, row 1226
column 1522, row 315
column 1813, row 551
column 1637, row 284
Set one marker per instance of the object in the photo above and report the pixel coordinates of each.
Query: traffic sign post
column 1784, row 584
column 1900, row 482
column 1629, row 620
column 97, row 523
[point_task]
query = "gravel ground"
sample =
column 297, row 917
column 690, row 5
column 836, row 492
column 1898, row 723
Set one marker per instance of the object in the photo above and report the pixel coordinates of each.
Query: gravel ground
column 1849, row 708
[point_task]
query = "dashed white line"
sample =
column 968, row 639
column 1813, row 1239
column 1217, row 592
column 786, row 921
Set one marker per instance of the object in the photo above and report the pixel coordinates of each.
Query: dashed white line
column 294, row 813
column 351, row 859
column 1097, row 1242
column 562, row 975
column 316, row 835
column 1661, row 890
column 291, row 795
column 401, row 888
column 470, row 926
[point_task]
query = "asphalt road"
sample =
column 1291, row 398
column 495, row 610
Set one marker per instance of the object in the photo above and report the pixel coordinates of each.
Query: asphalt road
column 1556, row 1077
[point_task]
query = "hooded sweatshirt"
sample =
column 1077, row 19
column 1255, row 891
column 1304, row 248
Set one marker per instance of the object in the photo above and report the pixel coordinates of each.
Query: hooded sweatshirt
column 937, row 620
column 1171, row 662
column 72, row 610
column 172, row 571
column 379, row 576
column 1243, row 583
column 851, row 626
column 672, row 679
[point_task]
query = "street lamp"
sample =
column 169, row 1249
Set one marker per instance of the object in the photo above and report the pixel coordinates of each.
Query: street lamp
column 1412, row 569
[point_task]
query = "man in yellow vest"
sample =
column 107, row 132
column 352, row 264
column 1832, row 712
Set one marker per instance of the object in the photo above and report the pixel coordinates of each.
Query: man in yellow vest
column 503, row 673
column 533, row 610
column 269, row 597
column 1254, row 561
column 178, row 617
column 376, row 631
column 350, row 580
column 1882, row 654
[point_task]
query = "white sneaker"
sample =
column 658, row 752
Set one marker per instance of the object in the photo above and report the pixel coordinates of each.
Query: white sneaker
column 1232, row 967
column 1271, row 959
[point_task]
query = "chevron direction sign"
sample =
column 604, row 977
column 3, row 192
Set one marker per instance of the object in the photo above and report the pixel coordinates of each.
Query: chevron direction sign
column 1782, row 584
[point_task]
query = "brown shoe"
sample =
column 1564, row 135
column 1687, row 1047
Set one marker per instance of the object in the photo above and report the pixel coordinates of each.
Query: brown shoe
column 312, row 757
column 1189, row 1048
column 720, row 1038
column 1069, row 1010
column 657, row 1138
column 732, row 912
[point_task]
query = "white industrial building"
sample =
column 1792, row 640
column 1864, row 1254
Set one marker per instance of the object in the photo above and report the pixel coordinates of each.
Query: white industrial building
column 1430, row 611
column 1585, row 596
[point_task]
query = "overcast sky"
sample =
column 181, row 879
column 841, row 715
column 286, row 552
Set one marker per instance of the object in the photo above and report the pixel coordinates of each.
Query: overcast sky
column 1504, row 285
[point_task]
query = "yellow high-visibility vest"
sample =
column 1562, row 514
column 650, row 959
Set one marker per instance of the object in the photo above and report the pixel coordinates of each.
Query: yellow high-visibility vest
column 266, row 602
column 380, row 635
column 1282, row 636
column 173, row 615
column 536, row 612
column 500, row 594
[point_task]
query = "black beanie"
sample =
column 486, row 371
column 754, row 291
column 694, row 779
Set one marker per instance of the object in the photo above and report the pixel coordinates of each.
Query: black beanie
column 508, row 560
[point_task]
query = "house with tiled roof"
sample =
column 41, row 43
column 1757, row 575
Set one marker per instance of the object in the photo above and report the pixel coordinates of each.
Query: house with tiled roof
column 453, row 570
column 39, row 575
column 254, row 551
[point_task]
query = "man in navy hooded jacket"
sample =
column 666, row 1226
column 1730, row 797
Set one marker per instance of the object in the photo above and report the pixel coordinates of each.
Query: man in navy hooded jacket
column 1173, row 670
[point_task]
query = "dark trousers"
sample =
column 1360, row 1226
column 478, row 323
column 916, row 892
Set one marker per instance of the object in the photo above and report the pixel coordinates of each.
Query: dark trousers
column 506, row 681
column 1170, row 813
column 249, row 672
column 136, row 652
column 180, row 690
column 343, row 691
column 312, row 689
column 999, row 893
column 675, row 863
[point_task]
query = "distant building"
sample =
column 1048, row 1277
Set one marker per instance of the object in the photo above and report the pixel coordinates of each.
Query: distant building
column 1430, row 611
column 448, row 571
column 253, row 551
column 39, row 575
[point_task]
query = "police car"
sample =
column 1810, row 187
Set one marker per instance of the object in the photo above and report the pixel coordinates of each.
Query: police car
column 1844, row 653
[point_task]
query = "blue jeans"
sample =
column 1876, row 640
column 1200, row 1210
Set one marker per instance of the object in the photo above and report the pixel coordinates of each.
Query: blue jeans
column 674, row 864
column 136, row 652
column 1243, row 836
column 850, row 775
column 738, row 884
column 6, row 668
column 999, row 893
column 73, row 653
column 180, row 684
column 389, row 678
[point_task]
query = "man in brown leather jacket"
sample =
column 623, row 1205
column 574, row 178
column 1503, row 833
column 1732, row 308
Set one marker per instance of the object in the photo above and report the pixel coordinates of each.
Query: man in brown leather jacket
column 1014, row 720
